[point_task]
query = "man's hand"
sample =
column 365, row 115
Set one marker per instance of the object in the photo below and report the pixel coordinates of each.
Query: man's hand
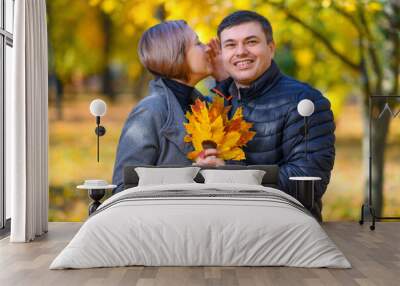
column 209, row 159
column 214, row 52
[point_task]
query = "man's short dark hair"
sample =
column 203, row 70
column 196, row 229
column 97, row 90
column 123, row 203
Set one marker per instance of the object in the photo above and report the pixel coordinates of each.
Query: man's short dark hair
column 244, row 16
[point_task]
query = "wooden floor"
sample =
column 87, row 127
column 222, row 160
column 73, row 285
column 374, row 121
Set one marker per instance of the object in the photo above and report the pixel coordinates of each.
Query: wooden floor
column 374, row 255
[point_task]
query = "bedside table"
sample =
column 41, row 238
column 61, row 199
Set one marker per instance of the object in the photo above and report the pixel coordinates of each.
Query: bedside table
column 96, row 190
column 305, row 190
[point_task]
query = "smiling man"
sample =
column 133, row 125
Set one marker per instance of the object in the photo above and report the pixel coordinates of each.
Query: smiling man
column 248, row 50
column 269, row 99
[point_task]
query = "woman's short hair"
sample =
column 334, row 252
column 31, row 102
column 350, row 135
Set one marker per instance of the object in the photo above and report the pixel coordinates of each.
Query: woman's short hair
column 162, row 49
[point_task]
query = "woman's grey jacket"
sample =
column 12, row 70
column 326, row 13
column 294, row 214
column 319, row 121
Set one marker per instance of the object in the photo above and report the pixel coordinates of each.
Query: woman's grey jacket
column 153, row 133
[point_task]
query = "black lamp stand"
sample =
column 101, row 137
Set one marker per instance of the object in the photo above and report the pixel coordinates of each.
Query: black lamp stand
column 306, row 136
column 100, row 131
column 304, row 131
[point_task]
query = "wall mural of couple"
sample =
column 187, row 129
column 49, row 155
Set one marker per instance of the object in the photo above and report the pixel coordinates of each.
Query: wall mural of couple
column 254, row 91
column 101, row 60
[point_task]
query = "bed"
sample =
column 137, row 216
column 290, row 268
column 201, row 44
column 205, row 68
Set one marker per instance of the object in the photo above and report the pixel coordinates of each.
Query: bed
column 201, row 224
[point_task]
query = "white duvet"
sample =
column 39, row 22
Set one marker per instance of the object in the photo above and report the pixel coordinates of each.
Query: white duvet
column 184, row 230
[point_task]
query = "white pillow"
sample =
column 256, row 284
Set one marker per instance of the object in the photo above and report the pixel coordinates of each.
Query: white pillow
column 248, row 177
column 166, row 176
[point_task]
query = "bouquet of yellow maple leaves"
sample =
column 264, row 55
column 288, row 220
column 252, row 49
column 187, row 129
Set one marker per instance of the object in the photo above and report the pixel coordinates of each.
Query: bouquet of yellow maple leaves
column 208, row 126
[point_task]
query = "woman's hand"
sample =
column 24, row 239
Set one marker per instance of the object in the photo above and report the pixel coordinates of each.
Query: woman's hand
column 214, row 52
column 209, row 159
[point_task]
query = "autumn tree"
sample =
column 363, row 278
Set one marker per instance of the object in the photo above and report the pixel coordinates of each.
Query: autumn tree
column 76, row 40
column 371, row 56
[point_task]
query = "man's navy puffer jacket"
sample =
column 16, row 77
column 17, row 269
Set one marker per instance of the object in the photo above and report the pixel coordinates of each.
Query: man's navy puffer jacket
column 271, row 104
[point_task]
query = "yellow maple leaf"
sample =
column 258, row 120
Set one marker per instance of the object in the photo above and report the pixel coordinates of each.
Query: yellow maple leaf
column 210, row 122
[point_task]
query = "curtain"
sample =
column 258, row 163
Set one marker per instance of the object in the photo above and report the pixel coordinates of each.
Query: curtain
column 27, row 124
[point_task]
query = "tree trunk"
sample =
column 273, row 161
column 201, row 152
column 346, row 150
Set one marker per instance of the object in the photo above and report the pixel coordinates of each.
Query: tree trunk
column 380, row 128
column 107, row 87
column 365, row 152
column 59, row 97
column 54, row 80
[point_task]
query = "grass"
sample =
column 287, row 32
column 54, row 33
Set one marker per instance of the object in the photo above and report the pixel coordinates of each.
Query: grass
column 72, row 159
